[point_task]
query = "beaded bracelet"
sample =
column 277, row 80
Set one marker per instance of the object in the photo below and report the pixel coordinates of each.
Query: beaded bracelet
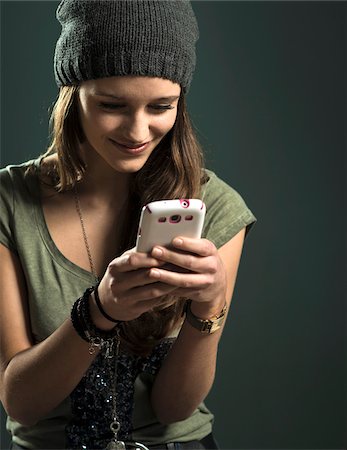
column 84, row 326
column 75, row 319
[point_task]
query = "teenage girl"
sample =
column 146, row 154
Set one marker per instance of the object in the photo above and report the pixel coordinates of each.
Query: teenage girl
column 103, row 346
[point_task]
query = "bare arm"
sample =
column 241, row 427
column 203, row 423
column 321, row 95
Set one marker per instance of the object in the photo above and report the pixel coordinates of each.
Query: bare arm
column 36, row 378
column 208, row 279
column 33, row 378
column 189, row 369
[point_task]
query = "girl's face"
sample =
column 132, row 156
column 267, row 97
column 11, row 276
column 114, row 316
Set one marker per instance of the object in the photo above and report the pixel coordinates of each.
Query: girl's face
column 124, row 118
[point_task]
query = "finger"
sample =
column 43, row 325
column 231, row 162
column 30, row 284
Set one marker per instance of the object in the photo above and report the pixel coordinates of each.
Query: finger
column 125, row 281
column 191, row 281
column 133, row 261
column 187, row 261
column 148, row 292
column 201, row 247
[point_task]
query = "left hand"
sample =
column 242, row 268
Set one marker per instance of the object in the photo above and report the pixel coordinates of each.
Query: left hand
column 201, row 275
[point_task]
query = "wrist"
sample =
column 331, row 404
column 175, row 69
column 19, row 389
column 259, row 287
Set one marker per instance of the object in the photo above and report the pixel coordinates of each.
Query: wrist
column 207, row 310
column 98, row 319
column 85, row 327
column 208, row 324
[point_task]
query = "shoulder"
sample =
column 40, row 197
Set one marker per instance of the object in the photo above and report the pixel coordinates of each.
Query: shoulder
column 14, row 193
column 16, row 173
column 226, row 210
column 217, row 189
column 12, row 179
column 23, row 178
column 17, row 184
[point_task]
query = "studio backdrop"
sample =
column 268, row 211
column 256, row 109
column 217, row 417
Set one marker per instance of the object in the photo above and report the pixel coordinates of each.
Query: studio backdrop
column 268, row 100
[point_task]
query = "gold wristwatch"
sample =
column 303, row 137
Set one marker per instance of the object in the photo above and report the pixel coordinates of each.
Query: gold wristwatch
column 206, row 326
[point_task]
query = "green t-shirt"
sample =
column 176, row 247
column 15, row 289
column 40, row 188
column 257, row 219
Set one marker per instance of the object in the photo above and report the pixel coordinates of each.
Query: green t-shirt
column 54, row 283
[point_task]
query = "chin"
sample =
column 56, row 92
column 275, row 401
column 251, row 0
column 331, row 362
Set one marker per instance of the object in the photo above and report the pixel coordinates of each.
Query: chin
column 128, row 167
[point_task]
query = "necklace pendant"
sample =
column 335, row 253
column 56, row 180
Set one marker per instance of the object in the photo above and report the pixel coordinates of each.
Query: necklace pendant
column 116, row 445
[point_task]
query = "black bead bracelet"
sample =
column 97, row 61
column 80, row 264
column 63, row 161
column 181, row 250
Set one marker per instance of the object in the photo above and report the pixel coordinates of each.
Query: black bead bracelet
column 83, row 324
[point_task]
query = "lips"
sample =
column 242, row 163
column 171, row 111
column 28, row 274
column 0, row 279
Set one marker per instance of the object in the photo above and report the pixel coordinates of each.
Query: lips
column 130, row 148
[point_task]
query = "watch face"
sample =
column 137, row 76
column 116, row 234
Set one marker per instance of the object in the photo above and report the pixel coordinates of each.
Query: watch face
column 209, row 326
column 206, row 326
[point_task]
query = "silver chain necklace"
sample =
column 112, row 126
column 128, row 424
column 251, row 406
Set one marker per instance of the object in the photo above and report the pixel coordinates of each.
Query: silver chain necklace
column 112, row 351
column 84, row 233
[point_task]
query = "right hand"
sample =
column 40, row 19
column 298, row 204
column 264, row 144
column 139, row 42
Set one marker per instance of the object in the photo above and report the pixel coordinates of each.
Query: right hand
column 127, row 290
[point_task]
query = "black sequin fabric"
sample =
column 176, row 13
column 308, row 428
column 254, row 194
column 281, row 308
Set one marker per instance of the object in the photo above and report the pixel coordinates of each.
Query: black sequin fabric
column 92, row 403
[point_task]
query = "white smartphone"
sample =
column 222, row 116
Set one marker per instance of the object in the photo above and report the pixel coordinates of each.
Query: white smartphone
column 162, row 221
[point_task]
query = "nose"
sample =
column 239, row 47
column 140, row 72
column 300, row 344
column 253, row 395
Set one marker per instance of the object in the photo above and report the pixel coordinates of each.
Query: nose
column 136, row 128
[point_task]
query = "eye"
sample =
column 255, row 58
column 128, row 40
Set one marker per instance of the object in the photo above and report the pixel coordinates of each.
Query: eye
column 110, row 106
column 160, row 108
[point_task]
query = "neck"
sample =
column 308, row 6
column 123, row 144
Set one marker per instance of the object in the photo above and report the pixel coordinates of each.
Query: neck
column 102, row 183
column 105, row 190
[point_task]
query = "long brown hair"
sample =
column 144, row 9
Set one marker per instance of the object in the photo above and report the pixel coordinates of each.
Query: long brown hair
column 174, row 170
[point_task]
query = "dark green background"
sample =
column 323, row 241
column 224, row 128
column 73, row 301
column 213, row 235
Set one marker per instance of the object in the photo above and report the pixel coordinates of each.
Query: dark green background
column 269, row 102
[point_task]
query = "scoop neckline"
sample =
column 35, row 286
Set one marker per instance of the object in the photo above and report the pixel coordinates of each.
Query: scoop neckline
column 46, row 236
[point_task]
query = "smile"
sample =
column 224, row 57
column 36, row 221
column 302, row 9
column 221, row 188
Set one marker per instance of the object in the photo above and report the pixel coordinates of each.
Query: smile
column 130, row 148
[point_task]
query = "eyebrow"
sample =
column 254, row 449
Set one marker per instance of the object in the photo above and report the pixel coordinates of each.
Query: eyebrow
column 170, row 98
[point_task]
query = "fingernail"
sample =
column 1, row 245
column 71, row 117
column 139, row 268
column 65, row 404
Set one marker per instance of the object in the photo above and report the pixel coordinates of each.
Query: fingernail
column 157, row 251
column 155, row 273
column 178, row 242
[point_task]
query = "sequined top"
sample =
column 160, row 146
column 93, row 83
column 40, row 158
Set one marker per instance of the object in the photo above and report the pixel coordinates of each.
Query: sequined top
column 54, row 283
column 92, row 400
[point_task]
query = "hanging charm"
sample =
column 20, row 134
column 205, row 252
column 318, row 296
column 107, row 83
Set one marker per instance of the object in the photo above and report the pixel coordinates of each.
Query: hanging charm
column 116, row 445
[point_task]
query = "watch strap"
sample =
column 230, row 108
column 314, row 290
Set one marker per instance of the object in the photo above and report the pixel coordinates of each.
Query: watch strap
column 205, row 326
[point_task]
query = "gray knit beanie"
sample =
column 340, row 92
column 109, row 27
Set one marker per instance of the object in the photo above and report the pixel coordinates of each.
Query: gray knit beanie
column 102, row 38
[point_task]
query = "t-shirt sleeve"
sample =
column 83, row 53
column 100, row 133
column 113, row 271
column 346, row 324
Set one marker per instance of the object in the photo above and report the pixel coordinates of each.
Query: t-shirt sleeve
column 7, row 211
column 226, row 211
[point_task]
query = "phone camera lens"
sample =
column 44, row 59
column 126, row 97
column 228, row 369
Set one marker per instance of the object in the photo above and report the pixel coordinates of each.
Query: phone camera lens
column 184, row 203
column 175, row 218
